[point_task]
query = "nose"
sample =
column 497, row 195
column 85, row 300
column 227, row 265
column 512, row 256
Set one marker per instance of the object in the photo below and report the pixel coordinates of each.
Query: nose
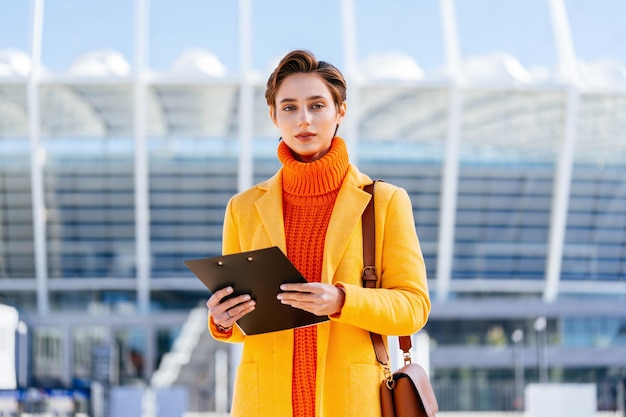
column 305, row 118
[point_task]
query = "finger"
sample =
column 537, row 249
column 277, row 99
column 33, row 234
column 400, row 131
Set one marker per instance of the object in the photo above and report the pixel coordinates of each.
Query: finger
column 288, row 297
column 230, row 314
column 300, row 300
column 237, row 312
column 228, row 309
column 218, row 295
column 319, row 303
column 300, row 287
column 300, row 292
column 232, row 303
column 225, row 313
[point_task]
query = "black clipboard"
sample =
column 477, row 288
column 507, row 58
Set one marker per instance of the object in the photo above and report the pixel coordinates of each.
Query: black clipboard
column 260, row 274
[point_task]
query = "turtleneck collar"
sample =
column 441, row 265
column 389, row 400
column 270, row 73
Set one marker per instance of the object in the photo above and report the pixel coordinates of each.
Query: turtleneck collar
column 318, row 177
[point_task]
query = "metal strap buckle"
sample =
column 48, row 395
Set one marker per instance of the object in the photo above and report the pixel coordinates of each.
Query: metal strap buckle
column 407, row 358
column 370, row 269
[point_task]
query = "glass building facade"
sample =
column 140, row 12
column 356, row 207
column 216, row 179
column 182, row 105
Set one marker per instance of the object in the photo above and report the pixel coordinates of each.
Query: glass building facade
column 116, row 165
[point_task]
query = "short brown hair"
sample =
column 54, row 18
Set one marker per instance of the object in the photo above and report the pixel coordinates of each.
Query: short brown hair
column 302, row 61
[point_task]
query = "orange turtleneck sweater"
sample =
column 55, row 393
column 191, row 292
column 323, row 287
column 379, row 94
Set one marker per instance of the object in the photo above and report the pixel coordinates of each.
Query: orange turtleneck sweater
column 309, row 194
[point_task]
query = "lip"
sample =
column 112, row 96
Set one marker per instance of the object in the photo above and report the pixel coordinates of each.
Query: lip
column 305, row 135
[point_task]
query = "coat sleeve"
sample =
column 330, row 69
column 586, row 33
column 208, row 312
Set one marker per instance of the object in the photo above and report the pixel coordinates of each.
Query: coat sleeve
column 401, row 304
column 230, row 244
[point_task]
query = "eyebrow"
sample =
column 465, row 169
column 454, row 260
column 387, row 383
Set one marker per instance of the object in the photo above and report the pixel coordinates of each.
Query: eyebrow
column 312, row 98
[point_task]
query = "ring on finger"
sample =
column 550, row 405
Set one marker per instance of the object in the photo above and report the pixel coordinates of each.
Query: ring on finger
column 228, row 315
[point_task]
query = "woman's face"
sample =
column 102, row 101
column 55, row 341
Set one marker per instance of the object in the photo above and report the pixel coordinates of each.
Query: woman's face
column 306, row 115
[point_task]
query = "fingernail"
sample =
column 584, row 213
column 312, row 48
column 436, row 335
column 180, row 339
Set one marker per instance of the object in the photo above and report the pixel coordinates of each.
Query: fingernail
column 246, row 297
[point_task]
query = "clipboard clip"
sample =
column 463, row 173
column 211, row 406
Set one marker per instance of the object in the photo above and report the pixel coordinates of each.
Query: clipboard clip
column 221, row 263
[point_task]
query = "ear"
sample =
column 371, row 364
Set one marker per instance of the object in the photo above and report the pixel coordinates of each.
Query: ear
column 273, row 116
column 341, row 112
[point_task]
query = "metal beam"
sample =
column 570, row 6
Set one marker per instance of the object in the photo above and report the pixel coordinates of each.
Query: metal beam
column 350, row 125
column 37, row 159
column 142, row 209
column 245, row 170
column 563, row 174
column 499, row 357
column 450, row 173
column 524, row 309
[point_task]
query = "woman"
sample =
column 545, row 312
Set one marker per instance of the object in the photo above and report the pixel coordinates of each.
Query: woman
column 312, row 209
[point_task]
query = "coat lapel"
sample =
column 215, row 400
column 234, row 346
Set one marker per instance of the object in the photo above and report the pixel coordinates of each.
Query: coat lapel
column 346, row 217
column 270, row 209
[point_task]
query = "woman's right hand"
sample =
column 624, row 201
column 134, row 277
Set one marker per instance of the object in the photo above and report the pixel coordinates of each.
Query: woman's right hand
column 226, row 312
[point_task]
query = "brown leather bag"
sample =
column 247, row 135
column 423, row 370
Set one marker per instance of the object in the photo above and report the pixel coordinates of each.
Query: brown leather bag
column 407, row 392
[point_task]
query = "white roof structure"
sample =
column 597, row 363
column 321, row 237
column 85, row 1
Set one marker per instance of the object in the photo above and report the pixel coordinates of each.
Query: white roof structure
column 506, row 107
column 14, row 63
column 390, row 66
column 100, row 63
column 197, row 61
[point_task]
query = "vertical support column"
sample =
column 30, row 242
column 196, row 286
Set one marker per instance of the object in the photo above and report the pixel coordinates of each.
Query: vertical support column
column 560, row 197
column 351, row 123
column 150, row 353
column 67, row 352
column 517, row 337
column 23, row 341
column 142, row 209
column 563, row 174
column 245, row 171
column 37, row 160
column 450, row 174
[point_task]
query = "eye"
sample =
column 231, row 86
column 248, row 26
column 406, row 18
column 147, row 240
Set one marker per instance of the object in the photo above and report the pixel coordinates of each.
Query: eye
column 318, row 106
column 289, row 108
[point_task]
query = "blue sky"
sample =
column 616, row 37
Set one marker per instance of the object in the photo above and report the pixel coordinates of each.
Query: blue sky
column 520, row 27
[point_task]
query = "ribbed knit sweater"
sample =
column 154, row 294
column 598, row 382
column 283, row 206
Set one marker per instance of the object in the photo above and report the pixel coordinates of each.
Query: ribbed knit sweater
column 309, row 194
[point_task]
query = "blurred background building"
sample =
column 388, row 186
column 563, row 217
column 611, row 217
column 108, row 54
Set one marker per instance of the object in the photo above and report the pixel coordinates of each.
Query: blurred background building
column 126, row 126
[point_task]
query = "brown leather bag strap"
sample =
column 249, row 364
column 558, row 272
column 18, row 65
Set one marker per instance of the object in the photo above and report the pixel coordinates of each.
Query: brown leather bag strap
column 370, row 277
column 369, row 239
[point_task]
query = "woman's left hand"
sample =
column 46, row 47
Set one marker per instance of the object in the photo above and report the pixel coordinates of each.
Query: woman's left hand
column 314, row 297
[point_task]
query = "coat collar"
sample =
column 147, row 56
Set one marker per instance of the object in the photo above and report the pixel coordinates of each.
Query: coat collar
column 346, row 216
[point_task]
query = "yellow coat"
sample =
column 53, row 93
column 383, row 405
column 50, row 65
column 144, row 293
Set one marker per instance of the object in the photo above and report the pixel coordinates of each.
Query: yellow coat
column 348, row 374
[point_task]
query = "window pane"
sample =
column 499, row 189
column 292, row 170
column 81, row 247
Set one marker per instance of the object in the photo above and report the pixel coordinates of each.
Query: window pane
column 85, row 341
column 17, row 255
column 94, row 302
column 508, row 151
column 90, row 203
column 48, row 359
column 131, row 345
